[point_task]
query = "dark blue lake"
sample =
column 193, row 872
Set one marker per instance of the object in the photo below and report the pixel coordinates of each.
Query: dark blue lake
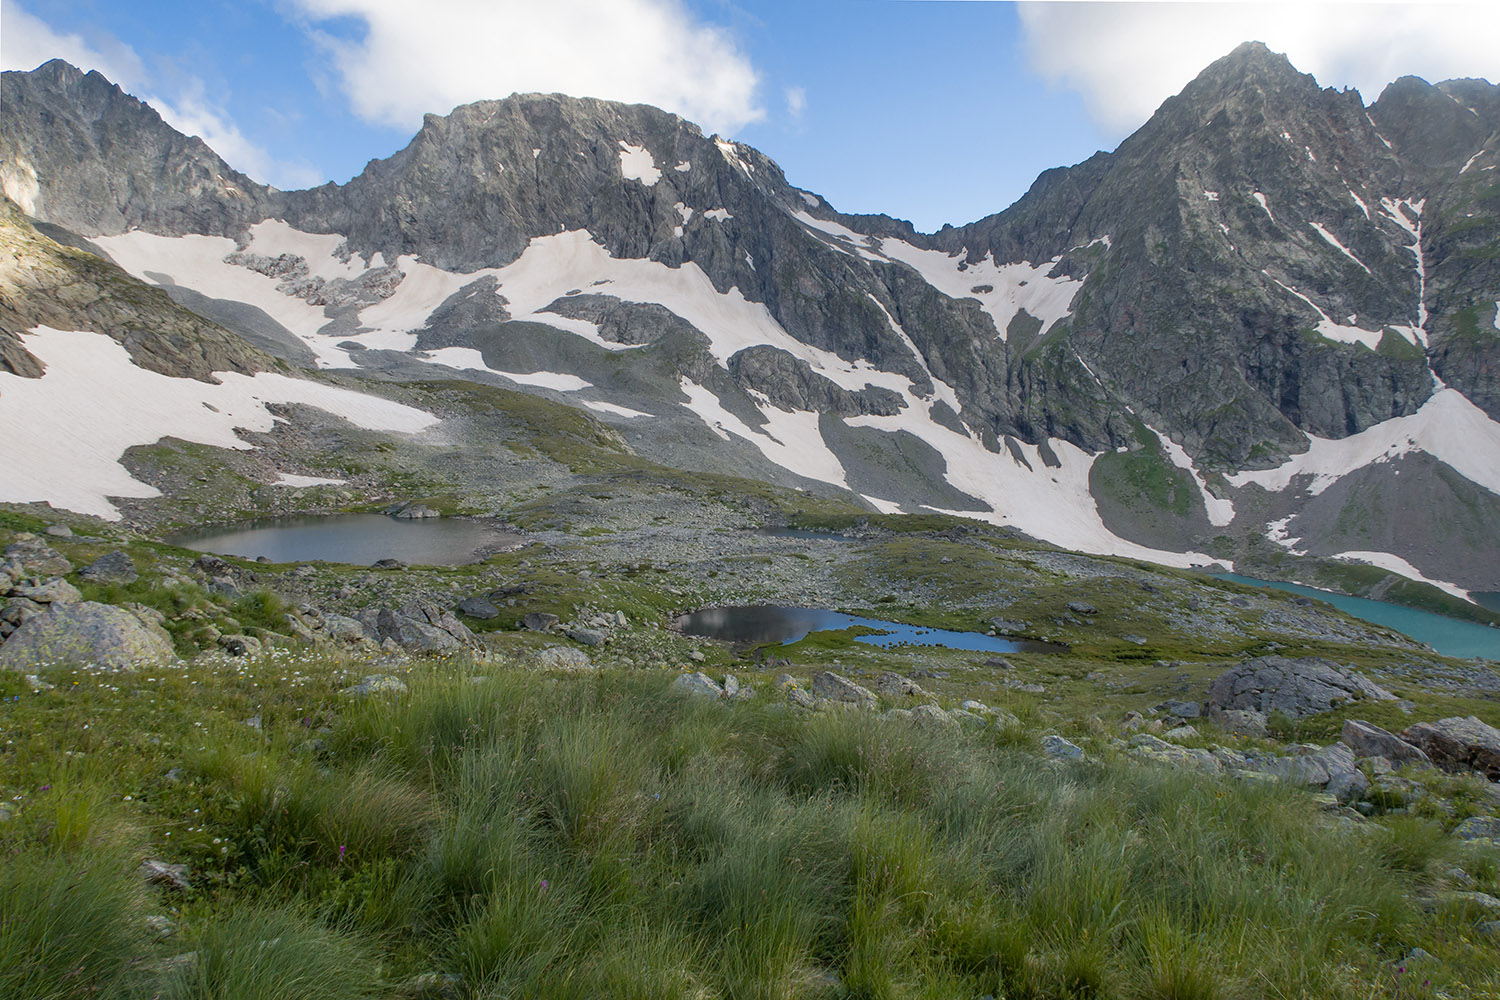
column 354, row 538
column 1448, row 636
column 774, row 623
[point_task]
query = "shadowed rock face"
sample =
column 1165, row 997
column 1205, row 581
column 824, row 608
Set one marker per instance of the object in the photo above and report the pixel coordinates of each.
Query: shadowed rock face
column 1296, row 687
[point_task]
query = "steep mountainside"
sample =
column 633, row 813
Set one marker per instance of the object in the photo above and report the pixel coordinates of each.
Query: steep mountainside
column 1170, row 351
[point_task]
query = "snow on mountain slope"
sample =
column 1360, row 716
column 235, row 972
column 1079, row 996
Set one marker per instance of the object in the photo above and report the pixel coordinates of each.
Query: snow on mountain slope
column 1448, row 427
column 68, row 430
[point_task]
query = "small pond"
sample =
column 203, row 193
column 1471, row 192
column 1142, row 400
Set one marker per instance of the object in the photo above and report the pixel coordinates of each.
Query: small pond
column 360, row 539
column 1449, row 636
column 773, row 623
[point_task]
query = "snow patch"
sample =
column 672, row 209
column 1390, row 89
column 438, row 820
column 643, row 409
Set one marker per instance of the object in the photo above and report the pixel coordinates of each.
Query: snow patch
column 845, row 239
column 1396, row 564
column 1465, row 168
column 287, row 479
column 90, row 382
column 637, row 164
column 813, row 201
column 1328, row 328
column 1394, row 210
column 1220, row 512
column 1358, row 201
column 732, row 154
column 1003, row 290
column 612, row 408
column 718, row 214
column 1279, row 532
column 683, row 167
column 790, row 439
column 467, row 358
column 683, row 211
column 1263, row 203
column 884, row 506
column 1334, row 241
column 1448, row 427
column 1211, row 195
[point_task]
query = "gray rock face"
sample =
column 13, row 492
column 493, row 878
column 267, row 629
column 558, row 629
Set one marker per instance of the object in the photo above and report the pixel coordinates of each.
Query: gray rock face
column 1297, row 687
column 699, row 685
column 894, row 685
column 831, row 687
column 85, row 633
column 478, row 607
column 1458, row 744
column 1368, row 740
column 112, row 567
column 36, row 557
column 422, row 627
column 540, row 621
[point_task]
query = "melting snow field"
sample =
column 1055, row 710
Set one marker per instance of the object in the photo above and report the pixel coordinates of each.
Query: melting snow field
column 287, row 479
column 1448, row 427
column 1403, row 568
column 90, row 382
column 468, row 359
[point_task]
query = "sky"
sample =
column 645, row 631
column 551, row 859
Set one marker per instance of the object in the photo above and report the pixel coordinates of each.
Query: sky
column 935, row 111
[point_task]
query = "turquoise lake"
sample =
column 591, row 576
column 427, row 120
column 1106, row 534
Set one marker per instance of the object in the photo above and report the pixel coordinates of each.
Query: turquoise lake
column 1448, row 636
column 774, row 623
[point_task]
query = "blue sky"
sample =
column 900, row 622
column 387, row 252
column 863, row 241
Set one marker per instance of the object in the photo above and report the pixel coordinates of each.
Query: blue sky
column 931, row 110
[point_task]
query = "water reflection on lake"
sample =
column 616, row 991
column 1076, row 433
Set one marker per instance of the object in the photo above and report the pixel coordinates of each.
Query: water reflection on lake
column 774, row 623
column 355, row 538
column 1449, row 636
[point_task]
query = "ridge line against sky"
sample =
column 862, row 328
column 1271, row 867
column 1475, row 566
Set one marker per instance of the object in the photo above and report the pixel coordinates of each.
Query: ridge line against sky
column 931, row 110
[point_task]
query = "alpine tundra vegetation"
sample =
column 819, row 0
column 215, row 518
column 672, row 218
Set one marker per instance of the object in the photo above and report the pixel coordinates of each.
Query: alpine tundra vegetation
column 1261, row 336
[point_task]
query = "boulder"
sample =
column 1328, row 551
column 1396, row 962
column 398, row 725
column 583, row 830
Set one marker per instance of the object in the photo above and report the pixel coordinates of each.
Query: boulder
column 830, row 687
column 1349, row 787
column 563, row 658
column 478, row 607
column 1055, row 746
column 540, row 621
column 587, row 636
column 1182, row 709
column 699, row 685
column 894, row 685
column 1296, row 687
column 37, row 557
column 86, row 632
column 413, row 511
column 932, row 717
column 57, row 591
column 387, row 564
column 1478, row 828
column 112, row 567
column 1453, row 744
column 796, row 695
column 1239, row 721
column 421, row 626
column 1082, row 608
column 1368, row 740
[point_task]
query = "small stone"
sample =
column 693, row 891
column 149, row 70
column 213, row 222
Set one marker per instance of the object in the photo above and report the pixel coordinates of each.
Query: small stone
column 564, row 658
column 1055, row 746
column 1082, row 608
column 587, row 636
column 376, row 684
column 697, row 656
column 60, row 531
column 1180, row 733
column 160, row 873
column 56, row 591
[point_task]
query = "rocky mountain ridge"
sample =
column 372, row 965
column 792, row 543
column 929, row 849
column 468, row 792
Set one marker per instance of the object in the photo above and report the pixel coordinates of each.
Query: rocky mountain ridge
column 1166, row 348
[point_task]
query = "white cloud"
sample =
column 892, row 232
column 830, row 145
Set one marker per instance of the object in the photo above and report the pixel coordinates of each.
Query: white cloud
column 27, row 42
column 796, row 101
column 1126, row 58
column 431, row 56
column 192, row 114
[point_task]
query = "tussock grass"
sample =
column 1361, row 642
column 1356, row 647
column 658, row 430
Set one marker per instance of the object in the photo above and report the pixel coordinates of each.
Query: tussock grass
column 599, row 836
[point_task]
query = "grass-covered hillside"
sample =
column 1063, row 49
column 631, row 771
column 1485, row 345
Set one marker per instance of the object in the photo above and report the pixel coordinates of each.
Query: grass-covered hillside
column 497, row 831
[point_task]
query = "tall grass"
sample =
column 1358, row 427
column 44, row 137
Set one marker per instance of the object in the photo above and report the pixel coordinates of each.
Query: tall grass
column 600, row 836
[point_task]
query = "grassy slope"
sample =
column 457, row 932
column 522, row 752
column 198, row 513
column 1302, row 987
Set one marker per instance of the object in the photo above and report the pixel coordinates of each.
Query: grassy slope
column 597, row 836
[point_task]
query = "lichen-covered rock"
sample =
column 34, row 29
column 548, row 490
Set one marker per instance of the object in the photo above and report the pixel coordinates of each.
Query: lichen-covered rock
column 1296, row 687
column 1368, row 740
column 112, row 567
column 564, row 658
column 830, row 687
column 1458, row 744
column 36, row 557
column 86, row 633
column 1056, row 746
column 421, row 626
column 699, row 685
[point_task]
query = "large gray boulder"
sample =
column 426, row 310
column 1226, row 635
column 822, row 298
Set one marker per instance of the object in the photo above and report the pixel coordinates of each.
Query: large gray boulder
column 1296, row 687
column 834, row 689
column 37, row 557
column 112, row 567
column 421, row 626
column 1457, row 744
column 1368, row 740
column 86, row 633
